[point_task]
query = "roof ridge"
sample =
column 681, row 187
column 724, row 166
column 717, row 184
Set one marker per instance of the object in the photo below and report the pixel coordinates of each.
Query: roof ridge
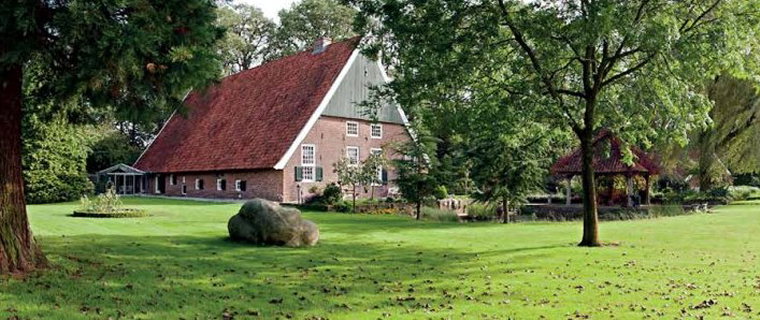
column 293, row 56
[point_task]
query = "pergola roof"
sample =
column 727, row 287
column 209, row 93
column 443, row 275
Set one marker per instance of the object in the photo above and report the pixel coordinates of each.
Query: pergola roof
column 122, row 169
column 608, row 159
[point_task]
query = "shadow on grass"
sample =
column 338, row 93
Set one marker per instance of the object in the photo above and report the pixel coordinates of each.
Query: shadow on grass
column 204, row 277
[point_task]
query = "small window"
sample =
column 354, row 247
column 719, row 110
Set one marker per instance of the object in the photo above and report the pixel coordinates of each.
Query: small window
column 352, row 128
column 172, row 180
column 240, row 185
column 377, row 131
column 198, row 184
column 307, row 174
column 352, row 153
column 184, row 189
column 307, row 155
column 183, row 179
column 221, row 184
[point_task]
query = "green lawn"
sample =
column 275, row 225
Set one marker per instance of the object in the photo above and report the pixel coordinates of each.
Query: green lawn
column 178, row 264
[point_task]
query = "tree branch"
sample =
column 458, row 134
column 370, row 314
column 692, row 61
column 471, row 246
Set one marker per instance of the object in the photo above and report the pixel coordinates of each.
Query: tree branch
column 629, row 71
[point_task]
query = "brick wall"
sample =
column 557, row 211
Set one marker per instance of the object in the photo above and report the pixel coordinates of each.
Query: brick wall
column 265, row 184
column 329, row 137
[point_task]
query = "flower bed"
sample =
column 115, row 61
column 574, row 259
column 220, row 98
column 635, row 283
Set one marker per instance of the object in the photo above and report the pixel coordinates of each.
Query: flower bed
column 122, row 213
column 106, row 205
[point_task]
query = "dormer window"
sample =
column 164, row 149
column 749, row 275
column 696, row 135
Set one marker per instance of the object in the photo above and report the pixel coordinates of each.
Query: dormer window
column 376, row 131
column 352, row 128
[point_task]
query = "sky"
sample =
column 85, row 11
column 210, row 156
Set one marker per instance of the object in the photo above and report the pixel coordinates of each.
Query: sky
column 270, row 7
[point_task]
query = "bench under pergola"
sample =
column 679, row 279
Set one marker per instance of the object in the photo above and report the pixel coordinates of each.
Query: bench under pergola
column 608, row 161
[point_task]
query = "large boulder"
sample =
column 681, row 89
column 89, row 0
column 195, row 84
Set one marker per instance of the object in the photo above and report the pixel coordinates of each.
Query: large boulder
column 264, row 222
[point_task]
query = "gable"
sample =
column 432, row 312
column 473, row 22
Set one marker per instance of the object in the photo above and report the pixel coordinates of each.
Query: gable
column 355, row 88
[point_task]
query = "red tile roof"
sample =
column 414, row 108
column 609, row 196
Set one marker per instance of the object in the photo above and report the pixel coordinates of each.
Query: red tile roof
column 608, row 159
column 248, row 120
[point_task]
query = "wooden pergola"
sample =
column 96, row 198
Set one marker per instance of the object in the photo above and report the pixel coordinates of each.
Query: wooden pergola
column 126, row 179
column 608, row 161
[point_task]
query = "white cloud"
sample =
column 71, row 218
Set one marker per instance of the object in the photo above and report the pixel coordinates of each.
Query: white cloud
column 270, row 7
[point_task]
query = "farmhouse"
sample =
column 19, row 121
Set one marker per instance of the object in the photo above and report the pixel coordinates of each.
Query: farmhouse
column 275, row 131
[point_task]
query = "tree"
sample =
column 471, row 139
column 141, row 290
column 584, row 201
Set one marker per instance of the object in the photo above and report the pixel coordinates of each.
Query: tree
column 248, row 37
column 54, row 158
column 307, row 20
column 350, row 175
column 372, row 171
column 509, row 164
column 634, row 67
column 110, row 147
column 414, row 179
column 134, row 56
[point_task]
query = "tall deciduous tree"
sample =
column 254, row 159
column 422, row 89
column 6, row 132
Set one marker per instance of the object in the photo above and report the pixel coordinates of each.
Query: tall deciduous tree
column 248, row 37
column 635, row 67
column 135, row 56
column 307, row 20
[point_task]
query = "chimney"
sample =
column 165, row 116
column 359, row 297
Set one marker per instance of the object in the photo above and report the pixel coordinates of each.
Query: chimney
column 321, row 44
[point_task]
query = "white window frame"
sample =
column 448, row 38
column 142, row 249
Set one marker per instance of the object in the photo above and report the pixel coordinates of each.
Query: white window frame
column 358, row 155
column 171, row 180
column 219, row 184
column 197, row 184
column 372, row 131
column 183, row 189
column 237, row 185
column 348, row 134
column 183, row 179
column 308, row 171
column 156, row 189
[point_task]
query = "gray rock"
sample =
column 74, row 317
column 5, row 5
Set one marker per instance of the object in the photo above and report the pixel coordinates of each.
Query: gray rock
column 264, row 222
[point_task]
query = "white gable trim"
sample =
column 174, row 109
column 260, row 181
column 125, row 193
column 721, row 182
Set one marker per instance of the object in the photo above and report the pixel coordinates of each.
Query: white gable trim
column 315, row 116
column 161, row 130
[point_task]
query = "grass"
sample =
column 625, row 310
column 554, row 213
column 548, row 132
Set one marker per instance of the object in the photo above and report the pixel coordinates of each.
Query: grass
column 177, row 263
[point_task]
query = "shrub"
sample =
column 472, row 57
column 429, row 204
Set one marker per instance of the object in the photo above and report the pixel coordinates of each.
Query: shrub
column 332, row 194
column 342, row 206
column 743, row 192
column 481, row 211
column 434, row 214
column 54, row 158
column 440, row 192
column 106, row 205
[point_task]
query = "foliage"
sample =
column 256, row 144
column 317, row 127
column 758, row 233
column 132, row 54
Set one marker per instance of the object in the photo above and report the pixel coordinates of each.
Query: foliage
column 414, row 179
column 440, row 192
column 307, row 20
column 440, row 215
column 248, row 37
column 747, row 179
column 110, row 147
column 635, row 67
column 508, row 165
column 106, row 202
column 332, row 194
column 482, row 210
column 731, row 144
column 54, row 155
column 106, row 205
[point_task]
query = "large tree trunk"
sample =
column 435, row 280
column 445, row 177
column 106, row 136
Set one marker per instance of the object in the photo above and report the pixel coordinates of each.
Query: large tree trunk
column 18, row 251
column 706, row 160
column 590, row 216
